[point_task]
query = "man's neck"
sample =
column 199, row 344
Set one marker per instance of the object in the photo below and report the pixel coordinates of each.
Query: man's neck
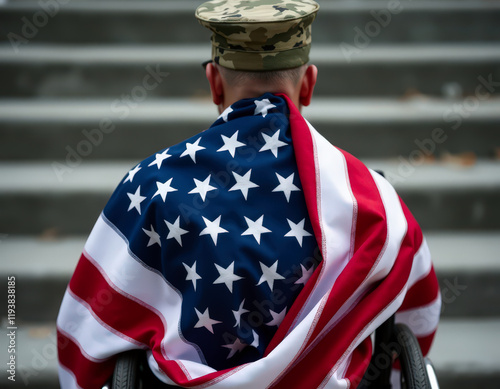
column 232, row 95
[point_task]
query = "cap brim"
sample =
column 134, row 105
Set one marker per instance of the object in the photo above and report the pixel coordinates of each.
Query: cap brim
column 204, row 64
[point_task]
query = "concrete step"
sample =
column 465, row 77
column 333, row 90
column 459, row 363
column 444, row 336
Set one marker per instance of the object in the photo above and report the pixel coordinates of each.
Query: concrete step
column 173, row 21
column 447, row 195
column 121, row 128
column 175, row 70
column 36, row 356
column 462, row 355
column 68, row 198
column 467, row 265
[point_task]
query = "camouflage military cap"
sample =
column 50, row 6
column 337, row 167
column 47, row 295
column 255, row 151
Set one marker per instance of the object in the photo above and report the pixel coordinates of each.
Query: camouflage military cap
column 259, row 35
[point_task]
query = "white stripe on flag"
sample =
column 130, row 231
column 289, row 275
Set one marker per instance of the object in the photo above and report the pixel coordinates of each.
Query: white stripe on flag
column 397, row 227
column 67, row 379
column 423, row 321
column 422, row 264
column 396, row 231
column 115, row 254
column 335, row 221
column 261, row 373
column 96, row 341
column 130, row 275
column 336, row 380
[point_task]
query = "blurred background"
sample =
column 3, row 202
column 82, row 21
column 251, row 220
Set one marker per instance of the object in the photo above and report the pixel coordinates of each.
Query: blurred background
column 90, row 88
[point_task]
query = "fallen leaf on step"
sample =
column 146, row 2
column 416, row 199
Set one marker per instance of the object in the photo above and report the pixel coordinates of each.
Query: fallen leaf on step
column 461, row 159
column 49, row 234
column 40, row 332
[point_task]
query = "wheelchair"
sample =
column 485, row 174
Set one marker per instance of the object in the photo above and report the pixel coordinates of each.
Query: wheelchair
column 392, row 342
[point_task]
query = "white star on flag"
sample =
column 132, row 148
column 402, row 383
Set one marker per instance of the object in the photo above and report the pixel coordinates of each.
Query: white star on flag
column 227, row 276
column 237, row 314
column 277, row 318
column 270, row 274
column 159, row 158
column 234, row 347
column 256, row 228
column 191, row 274
column 163, row 189
column 154, row 237
column 132, row 173
column 213, row 228
column 306, row 274
column 175, row 231
column 231, row 144
column 202, row 187
column 297, row 230
column 255, row 342
column 224, row 115
column 272, row 143
column 262, row 107
column 286, row 186
column 135, row 200
column 192, row 149
column 204, row 320
column 243, row 183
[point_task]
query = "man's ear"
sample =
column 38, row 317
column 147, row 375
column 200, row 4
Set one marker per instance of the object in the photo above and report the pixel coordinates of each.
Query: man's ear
column 307, row 86
column 215, row 80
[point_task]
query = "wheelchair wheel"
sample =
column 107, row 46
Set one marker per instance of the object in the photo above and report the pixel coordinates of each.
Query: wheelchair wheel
column 125, row 375
column 413, row 367
column 132, row 372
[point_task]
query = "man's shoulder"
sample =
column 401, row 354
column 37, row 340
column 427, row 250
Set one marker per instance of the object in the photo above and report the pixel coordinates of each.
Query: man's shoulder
column 348, row 172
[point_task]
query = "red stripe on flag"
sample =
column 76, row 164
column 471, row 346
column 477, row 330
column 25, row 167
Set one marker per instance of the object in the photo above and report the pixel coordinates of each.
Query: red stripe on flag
column 425, row 342
column 108, row 304
column 88, row 374
column 423, row 292
column 301, row 135
column 413, row 228
column 325, row 353
column 141, row 324
column 360, row 360
column 304, row 154
column 370, row 238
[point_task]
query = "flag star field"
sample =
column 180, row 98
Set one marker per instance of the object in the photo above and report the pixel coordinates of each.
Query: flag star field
column 223, row 218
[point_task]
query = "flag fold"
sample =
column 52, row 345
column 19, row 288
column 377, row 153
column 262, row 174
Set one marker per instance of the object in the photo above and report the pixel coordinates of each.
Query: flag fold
column 252, row 255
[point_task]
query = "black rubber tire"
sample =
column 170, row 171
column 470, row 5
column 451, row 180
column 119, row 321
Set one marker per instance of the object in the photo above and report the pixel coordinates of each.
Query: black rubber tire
column 413, row 369
column 125, row 375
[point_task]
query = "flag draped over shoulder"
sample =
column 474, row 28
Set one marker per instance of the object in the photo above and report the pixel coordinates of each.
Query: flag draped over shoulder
column 207, row 256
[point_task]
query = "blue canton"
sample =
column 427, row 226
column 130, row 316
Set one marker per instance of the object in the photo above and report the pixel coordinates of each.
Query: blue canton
column 223, row 218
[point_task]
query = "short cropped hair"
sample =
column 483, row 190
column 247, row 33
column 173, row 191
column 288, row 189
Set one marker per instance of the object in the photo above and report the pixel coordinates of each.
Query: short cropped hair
column 239, row 77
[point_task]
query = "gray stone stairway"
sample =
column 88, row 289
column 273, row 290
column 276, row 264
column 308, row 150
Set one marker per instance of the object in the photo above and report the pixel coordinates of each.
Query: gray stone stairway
column 90, row 87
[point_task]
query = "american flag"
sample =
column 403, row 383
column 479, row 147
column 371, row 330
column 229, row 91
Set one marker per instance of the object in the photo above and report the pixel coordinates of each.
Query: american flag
column 252, row 255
